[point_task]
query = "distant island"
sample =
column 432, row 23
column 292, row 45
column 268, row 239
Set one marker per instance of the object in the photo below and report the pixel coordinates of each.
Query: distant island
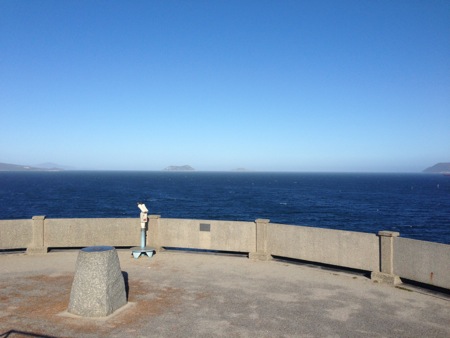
column 179, row 168
column 439, row 168
column 19, row 167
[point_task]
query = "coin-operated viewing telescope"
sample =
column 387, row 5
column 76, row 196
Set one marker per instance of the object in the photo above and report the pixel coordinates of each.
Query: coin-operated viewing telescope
column 143, row 249
column 144, row 218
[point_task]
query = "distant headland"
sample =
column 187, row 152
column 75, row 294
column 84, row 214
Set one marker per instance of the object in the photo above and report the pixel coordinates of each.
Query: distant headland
column 439, row 168
column 179, row 168
column 19, row 167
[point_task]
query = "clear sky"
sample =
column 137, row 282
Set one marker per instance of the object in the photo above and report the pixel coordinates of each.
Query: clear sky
column 277, row 85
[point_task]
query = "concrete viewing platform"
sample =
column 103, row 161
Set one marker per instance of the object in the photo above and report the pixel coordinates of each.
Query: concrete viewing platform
column 179, row 294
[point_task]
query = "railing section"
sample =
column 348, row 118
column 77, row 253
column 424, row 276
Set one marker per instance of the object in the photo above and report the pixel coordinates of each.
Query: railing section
column 385, row 254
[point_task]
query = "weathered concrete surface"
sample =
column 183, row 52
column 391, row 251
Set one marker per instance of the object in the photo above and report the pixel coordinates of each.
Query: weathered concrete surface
column 193, row 295
column 355, row 250
column 15, row 233
column 422, row 261
column 222, row 235
column 98, row 287
column 81, row 232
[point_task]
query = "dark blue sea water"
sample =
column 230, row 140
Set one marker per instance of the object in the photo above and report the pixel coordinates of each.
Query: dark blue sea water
column 416, row 205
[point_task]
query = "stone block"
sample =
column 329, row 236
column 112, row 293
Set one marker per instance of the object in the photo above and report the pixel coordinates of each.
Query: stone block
column 98, row 287
column 259, row 256
column 381, row 277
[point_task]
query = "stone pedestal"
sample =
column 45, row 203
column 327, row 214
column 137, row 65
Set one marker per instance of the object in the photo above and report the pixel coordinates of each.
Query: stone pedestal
column 98, row 287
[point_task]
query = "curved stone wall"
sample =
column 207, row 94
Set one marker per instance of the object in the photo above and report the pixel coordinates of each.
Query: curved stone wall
column 385, row 254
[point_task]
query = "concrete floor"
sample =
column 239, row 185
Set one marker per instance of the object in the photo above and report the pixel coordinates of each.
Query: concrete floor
column 177, row 294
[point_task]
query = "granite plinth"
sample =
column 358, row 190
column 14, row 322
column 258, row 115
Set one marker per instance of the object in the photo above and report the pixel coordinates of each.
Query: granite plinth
column 98, row 287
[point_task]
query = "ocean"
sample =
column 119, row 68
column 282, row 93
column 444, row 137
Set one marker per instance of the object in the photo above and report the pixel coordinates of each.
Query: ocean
column 416, row 205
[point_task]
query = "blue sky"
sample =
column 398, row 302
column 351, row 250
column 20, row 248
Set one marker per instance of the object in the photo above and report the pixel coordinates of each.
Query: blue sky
column 265, row 85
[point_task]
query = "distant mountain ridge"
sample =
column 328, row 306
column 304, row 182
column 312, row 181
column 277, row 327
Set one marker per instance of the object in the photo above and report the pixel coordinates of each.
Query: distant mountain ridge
column 179, row 168
column 19, row 167
column 439, row 168
column 54, row 166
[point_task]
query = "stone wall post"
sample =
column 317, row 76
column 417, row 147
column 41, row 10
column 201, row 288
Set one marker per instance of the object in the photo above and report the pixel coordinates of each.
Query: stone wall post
column 152, row 232
column 386, row 273
column 261, row 241
column 37, row 244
